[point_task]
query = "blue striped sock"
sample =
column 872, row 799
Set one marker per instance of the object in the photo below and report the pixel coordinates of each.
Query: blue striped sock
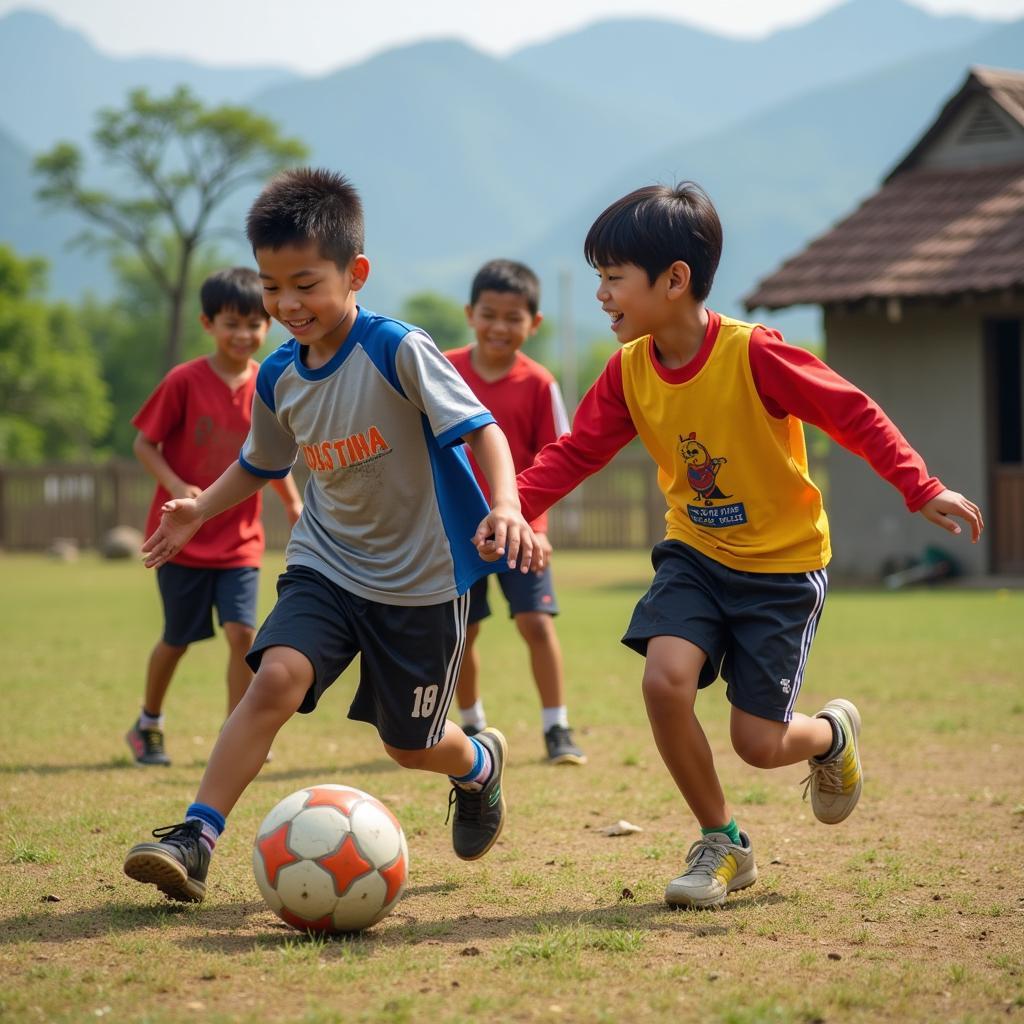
column 212, row 820
column 480, row 773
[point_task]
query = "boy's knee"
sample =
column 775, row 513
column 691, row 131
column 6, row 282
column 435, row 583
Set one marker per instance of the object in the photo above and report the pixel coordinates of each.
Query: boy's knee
column 666, row 689
column 408, row 758
column 239, row 637
column 276, row 685
column 535, row 627
column 759, row 751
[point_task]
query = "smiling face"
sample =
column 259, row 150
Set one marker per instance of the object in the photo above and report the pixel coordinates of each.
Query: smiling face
column 636, row 306
column 309, row 295
column 237, row 337
column 501, row 322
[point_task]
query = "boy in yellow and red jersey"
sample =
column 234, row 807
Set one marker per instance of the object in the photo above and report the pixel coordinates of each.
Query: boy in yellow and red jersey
column 740, row 579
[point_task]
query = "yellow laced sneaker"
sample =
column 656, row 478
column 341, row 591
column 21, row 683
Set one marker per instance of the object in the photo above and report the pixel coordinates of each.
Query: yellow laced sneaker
column 835, row 784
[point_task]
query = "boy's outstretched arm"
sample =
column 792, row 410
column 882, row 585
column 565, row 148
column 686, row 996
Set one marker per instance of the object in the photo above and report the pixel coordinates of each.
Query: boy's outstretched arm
column 503, row 531
column 943, row 507
column 182, row 517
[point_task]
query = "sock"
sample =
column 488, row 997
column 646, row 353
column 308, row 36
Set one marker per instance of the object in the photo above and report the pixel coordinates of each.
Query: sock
column 555, row 716
column 148, row 721
column 732, row 830
column 213, row 822
column 480, row 774
column 474, row 715
column 838, row 740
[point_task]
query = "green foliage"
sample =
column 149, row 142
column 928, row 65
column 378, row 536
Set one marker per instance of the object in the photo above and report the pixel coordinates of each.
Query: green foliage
column 442, row 318
column 180, row 160
column 123, row 332
column 53, row 402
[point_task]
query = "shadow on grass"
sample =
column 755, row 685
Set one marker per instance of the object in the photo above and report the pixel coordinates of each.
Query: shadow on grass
column 224, row 928
column 119, row 763
column 378, row 766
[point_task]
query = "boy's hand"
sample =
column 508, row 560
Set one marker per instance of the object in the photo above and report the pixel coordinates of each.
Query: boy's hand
column 949, row 503
column 545, row 549
column 180, row 520
column 504, row 531
column 184, row 490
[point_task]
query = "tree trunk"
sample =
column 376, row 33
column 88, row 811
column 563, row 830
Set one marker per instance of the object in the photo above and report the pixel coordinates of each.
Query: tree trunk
column 173, row 352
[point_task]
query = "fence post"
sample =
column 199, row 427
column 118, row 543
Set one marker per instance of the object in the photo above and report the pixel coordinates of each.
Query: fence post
column 3, row 509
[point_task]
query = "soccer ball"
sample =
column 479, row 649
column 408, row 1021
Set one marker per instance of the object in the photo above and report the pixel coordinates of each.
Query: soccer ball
column 330, row 859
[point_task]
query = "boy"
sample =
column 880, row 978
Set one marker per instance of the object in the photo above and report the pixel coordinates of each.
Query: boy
column 524, row 398
column 190, row 429
column 740, row 579
column 382, row 557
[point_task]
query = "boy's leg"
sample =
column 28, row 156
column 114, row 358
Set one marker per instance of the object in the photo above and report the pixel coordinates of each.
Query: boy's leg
column 410, row 663
column 240, row 640
column 177, row 865
column 187, row 598
column 533, row 606
column 467, row 689
column 722, row 860
column 773, row 619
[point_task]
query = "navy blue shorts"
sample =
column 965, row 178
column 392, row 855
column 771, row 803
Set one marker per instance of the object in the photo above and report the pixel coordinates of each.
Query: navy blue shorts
column 524, row 592
column 190, row 595
column 409, row 655
column 756, row 628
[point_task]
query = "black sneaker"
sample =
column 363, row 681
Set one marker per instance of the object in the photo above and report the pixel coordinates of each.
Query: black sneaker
column 480, row 813
column 561, row 749
column 147, row 745
column 176, row 865
column 471, row 730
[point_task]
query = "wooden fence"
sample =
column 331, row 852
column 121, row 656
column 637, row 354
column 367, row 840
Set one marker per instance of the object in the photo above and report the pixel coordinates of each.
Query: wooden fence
column 620, row 507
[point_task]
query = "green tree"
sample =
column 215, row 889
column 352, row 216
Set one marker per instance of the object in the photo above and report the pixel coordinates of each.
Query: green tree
column 442, row 318
column 122, row 332
column 53, row 402
column 180, row 161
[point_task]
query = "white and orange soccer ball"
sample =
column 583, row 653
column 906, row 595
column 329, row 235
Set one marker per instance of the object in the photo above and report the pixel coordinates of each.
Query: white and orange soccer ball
column 330, row 859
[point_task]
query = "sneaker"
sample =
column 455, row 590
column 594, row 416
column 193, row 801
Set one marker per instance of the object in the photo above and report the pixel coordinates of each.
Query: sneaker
column 835, row 784
column 561, row 748
column 716, row 866
column 147, row 745
column 480, row 813
column 176, row 865
column 471, row 730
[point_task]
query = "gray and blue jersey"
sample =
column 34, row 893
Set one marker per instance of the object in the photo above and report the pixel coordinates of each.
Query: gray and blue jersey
column 391, row 504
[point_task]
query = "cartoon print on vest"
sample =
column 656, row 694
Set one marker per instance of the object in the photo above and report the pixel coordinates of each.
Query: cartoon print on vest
column 701, row 468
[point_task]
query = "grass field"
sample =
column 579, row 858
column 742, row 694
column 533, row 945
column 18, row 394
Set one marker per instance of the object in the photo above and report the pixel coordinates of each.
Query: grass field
column 912, row 910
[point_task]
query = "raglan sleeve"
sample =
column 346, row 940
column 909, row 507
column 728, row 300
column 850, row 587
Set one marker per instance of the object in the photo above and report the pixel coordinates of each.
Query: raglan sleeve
column 793, row 381
column 270, row 449
column 429, row 380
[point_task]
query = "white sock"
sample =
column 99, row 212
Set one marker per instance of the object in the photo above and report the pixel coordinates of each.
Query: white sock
column 555, row 716
column 474, row 715
column 147, row 722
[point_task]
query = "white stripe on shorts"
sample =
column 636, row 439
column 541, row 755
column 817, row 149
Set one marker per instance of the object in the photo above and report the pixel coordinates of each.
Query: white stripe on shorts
column 819, row 580
column 460, row 608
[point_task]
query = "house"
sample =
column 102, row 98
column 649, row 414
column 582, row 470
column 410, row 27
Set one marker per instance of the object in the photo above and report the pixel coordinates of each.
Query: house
column 922, row 290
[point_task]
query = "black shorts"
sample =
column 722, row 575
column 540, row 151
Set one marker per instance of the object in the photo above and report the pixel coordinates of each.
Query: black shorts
column 189, row 596
column 755, row 627
column 524, row 592
column 410, row 655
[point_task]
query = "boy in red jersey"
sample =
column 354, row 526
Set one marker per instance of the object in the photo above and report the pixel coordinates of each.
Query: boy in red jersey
column 525, row 400
column 190, row 429
column 740, row 579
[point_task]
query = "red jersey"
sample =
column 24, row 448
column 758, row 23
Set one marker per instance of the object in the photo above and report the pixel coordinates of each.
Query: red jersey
column 200, row 425
column 526, row 403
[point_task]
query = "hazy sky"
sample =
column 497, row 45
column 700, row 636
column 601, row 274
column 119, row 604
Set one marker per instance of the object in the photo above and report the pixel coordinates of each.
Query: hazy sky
column 317, row 35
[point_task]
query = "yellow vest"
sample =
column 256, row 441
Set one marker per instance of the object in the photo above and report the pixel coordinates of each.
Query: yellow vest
column 734, row 476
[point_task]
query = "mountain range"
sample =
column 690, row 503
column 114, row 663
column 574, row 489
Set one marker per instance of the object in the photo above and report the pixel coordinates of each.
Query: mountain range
column 461, row 156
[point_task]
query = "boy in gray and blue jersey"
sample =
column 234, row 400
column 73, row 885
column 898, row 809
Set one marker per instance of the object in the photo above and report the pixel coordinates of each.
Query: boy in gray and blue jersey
column 381, row 561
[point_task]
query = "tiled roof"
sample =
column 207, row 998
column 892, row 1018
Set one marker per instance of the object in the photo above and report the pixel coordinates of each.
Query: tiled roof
column 924, row 233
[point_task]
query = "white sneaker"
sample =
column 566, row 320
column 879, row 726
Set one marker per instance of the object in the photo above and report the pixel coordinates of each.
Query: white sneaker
column 835, row 784
column 716, row 867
